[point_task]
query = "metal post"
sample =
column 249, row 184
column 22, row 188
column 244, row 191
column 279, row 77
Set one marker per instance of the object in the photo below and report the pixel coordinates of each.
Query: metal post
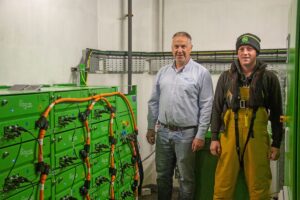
column 129, row 45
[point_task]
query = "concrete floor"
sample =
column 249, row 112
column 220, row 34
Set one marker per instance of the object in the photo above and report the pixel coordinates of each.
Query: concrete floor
column 153, row 195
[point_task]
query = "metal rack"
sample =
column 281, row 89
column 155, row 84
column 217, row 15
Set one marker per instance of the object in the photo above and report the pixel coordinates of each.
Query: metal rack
column 107, row 62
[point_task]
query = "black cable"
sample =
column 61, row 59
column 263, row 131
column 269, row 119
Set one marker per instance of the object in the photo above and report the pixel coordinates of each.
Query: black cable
column 25, row 188
column 140, row 165
column 31, row 190
column 120, row 161
column 100, row 154
column 17, row 157
column 129, row 174
column 73, row 146
column 31, row 184
column 25, row 130
column 123, row 171
column 19, row 150
column 73, row 181
column 147, row 157
column 71, row 165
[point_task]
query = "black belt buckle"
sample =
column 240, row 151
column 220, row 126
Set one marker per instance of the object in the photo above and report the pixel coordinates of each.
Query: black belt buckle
column 242, row 103
column 170, row 127
column 173, row 128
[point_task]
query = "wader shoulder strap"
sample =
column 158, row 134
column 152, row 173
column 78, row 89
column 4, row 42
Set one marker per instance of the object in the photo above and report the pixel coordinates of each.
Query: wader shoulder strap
column 250, row 134
column 237, row 138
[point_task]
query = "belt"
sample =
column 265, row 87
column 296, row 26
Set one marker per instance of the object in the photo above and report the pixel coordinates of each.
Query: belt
column 176, row 128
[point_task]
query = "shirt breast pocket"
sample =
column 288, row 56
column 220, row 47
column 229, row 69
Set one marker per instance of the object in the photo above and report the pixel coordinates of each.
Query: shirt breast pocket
column 187, row 87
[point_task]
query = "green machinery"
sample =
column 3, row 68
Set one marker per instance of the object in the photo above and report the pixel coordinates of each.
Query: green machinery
column 205, row 173
column 65, row 142
column 292, row 139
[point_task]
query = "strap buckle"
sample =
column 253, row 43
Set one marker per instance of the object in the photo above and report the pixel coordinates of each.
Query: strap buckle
column 242, row 103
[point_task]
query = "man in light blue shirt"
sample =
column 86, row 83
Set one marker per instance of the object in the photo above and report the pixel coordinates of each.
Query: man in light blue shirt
column 180, row 107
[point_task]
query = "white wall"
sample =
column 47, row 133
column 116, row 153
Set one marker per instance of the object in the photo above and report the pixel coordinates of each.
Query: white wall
column 113, row 25
column 41, row 39
column 215, row 25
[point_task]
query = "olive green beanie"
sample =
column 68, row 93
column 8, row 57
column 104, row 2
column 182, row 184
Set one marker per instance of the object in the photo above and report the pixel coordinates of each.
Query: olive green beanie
column 248, row 39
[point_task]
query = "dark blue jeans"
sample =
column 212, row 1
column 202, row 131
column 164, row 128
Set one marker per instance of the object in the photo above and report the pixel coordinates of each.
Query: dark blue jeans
column 175, row 148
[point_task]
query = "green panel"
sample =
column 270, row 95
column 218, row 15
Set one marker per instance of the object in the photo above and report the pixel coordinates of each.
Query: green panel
column 100, row 177
column 66, row 120
column 124, row 191
column 64, row 140
column 65, row 182
column 30, row 193
column 71, row 192
column 100, row 184
column 124, row 162
column 25, row 172
column 124, row 151
column 11, row 130
column 101, row 193
column 20, row 160
column 122, row 106
column 69, row 139
column 100, row 111
column 100, row 162
column 13, row 106
column 100, row 146
column 100, row 129
column 292, row 143
column 67, row 158
column 132, row 98
column 124, row 128
column 125, row 177
column 3, row 87
column 102, row 90
column 71, row 94
column 126, row 171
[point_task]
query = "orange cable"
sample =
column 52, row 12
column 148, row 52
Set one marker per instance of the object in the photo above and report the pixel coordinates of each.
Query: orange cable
column 96, row 98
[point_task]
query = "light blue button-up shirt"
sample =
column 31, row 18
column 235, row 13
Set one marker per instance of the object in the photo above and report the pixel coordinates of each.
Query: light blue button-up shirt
column 182, row 98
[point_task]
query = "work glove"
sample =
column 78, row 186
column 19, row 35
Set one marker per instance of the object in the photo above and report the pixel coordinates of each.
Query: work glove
column 151, row 136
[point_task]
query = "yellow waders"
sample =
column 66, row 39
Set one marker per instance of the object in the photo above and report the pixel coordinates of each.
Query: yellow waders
column 256, row 163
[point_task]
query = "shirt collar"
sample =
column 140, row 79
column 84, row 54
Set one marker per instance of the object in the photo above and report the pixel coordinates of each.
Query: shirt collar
column 185, row 67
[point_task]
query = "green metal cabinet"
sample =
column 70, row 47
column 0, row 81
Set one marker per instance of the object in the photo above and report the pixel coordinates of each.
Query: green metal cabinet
column 205, row 175
column 63, row 143
column 292, row 139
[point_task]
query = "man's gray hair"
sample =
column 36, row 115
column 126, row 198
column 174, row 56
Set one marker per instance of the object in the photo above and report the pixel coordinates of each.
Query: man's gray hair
column 182, row 33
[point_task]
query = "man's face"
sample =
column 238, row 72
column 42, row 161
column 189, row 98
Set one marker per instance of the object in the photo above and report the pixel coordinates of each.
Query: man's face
column 181, row 50
column 247, row 56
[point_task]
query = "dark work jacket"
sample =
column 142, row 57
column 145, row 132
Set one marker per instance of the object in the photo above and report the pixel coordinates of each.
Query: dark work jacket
column 264, row 92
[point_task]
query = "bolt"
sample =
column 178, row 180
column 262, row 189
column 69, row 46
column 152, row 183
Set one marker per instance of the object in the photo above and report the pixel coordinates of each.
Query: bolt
column 4, row 102
column 5, row 154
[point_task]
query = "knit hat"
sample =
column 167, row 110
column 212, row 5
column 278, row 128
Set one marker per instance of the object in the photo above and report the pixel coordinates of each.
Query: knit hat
column 248, row 39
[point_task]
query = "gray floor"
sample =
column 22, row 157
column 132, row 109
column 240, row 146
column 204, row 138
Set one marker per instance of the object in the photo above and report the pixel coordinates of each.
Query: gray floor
column 153, row 195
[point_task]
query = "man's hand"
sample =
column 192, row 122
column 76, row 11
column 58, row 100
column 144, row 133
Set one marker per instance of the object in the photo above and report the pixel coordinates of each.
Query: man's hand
column 274, row 153
column 215, row 148
column 151, row 136
column 197, row 144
